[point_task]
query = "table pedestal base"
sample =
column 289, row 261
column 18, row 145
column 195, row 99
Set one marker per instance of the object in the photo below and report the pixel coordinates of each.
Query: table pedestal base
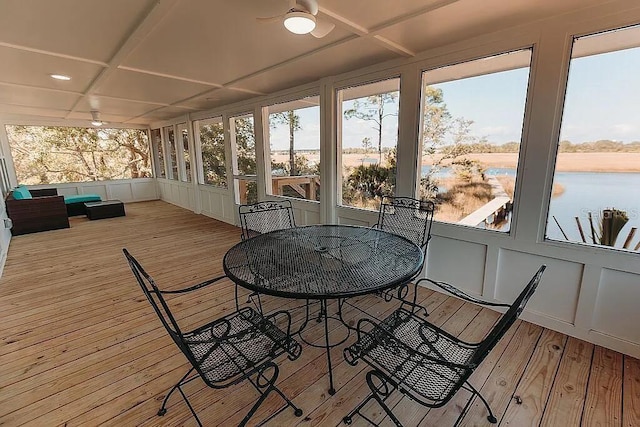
column 324, row 316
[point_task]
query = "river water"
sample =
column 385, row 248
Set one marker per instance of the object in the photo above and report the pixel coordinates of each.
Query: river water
column 586, row 192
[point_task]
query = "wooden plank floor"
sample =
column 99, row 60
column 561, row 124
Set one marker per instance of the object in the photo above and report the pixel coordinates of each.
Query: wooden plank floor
column 81, row 346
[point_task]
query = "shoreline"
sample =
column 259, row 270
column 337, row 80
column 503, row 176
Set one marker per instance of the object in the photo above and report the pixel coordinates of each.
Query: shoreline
column 609, row 162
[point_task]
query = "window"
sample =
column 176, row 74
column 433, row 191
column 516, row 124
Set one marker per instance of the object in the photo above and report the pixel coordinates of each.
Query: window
column 294, row 140
column 596, row 185
column 56, row 154
column 367, row 143
column 243, row 143
column 212, row 148
column 472, row 118
column 185, row 169
column 169, row 134
column 158, row 152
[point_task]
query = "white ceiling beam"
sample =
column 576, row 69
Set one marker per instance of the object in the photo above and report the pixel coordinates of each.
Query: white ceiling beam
column 50, row 89
column 55, row 54
column 155, row 14
column 168, row 76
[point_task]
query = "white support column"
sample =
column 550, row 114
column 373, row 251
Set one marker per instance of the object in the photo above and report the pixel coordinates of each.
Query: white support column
column 196, row 163
column 262, row 151
column 330, row 128
column 232, row 157
column 540, row 134
column 409, row 146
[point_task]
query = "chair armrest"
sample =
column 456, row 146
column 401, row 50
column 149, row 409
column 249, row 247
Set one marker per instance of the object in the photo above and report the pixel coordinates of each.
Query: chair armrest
column 461, row 294
column 41, row 192
column 194, row 287
column 37, row 214
column 291, row 346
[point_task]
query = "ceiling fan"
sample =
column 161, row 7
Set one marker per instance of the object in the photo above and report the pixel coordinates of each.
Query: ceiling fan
column 96, row 120
column 301, row 19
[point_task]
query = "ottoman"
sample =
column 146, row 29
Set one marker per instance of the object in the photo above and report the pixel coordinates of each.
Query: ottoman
column 104, row 209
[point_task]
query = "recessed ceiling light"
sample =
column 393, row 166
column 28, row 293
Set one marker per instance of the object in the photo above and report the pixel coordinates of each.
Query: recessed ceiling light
column 60, row 77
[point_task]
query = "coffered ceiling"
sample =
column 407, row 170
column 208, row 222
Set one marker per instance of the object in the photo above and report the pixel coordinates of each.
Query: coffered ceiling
column 138, row 61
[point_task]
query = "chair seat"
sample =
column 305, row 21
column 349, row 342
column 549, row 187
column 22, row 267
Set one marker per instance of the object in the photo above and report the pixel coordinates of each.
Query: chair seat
column 230, row 348
column 398, row 346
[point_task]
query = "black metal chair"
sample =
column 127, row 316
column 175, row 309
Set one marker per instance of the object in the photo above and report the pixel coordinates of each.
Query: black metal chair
column 423, row 361
column 228, row 350
column 407, row 217
column 263, row 217
column 412, row 219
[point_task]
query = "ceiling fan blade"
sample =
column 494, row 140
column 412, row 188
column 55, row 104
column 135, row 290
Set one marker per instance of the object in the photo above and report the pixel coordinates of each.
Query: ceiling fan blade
column 270, row 18
column 310, row 5
column 322, row 28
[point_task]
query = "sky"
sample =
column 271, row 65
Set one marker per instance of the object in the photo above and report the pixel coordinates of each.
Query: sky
column 602, row 102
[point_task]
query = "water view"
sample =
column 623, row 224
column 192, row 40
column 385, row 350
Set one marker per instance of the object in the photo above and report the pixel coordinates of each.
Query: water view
column 579, row 194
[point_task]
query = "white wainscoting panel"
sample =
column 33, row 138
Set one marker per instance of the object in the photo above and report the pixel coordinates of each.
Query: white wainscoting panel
column 460, row 263
column 617, row 310
column 306, row 213
column 127, row 190
column 557, row 295
column 353, row 216
column 217, row 203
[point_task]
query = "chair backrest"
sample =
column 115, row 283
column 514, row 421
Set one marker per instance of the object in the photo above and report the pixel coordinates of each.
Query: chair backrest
column 407, row 217
column 154, row 295
column 263, row 217
column 508, row 318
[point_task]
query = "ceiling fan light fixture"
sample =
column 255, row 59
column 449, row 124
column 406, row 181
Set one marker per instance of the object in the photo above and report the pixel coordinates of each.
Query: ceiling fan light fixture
column 299, row 22
column 95, row 115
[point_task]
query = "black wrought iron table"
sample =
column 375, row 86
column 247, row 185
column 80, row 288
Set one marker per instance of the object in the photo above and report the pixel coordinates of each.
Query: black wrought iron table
column 322, row 262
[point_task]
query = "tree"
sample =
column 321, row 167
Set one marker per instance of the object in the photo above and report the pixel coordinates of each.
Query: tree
column 372, row 108
column 366, row 144
column 245, row 146
column 446, row 139
column 213, row 154
column 55, row 154
column 292, row 120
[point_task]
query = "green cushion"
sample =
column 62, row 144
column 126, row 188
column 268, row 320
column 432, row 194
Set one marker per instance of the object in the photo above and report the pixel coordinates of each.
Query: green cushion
column 21, row 192
column 81, row 198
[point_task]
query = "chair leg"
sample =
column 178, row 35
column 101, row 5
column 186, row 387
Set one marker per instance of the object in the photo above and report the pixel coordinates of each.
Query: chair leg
column 349, row 417
column 492, row 418
column 163, row 409
column 379, row 394
column 265, row 385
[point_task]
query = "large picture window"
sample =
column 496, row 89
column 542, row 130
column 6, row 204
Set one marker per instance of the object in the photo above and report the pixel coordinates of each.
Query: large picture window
column 172, row 159
column 158, row 152
column 185, row 153
column 56, row 154
column 294, row 141
column 243, row 142
column 212, row 148
column 368, row 141
column 472, row 118
column 598, row 160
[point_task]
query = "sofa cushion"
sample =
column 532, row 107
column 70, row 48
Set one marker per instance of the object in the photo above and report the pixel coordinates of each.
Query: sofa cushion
column 21, row 192
column 81, row 198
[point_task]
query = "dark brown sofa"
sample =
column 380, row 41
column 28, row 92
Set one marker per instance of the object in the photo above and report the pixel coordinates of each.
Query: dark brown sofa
column 45, row 211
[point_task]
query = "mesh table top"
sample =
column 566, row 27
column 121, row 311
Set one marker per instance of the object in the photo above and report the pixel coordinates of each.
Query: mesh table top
column 323, row 261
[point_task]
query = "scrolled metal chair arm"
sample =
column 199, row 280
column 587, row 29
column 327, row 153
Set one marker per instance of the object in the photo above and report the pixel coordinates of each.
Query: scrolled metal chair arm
column 461, row 294
column 194, row 287
column 292, row 347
